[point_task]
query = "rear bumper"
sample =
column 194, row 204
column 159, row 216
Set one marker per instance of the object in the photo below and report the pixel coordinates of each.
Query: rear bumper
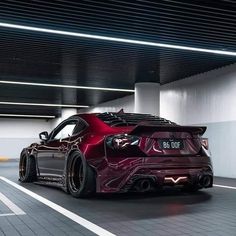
column 121, row 174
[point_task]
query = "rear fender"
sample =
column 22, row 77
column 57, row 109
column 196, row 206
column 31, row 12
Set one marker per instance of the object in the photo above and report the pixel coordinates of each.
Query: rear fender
column 67, row 158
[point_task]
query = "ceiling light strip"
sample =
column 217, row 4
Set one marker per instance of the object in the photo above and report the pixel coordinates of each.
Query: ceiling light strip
column 42, row 104
column 29, row 116
column 121, row 40
column 65, row 86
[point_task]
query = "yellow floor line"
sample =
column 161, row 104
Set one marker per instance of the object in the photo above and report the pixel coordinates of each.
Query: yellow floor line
column 4, row 158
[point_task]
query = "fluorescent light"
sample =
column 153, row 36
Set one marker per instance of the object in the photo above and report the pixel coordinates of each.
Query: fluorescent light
column 65, row 86
column 121, row 40
column 29, row 116
column 42, row 104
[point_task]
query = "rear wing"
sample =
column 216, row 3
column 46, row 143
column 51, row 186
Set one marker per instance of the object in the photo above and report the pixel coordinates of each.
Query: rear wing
column 169, row 128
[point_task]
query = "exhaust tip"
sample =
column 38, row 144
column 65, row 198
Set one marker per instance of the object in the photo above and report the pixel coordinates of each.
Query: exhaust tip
column 206, row 181
column 143, row 185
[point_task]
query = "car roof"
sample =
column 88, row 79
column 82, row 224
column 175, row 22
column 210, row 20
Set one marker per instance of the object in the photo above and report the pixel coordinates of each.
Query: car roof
column 116, row 119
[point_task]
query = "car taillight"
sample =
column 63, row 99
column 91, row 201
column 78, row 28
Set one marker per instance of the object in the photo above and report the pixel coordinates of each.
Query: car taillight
column 122, row 141
column 205, row 143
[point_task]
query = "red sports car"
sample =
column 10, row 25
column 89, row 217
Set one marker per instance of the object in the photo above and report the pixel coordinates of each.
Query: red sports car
column 118, row 152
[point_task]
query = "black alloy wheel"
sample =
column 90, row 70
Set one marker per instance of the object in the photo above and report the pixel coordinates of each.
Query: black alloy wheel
column 80, row 177
column 27, row 169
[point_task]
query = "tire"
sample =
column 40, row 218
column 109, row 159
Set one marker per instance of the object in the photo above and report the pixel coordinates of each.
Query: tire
column 27, row 169
column 80, row 177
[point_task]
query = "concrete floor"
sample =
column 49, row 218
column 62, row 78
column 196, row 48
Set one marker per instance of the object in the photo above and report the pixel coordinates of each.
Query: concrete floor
column 171, row 212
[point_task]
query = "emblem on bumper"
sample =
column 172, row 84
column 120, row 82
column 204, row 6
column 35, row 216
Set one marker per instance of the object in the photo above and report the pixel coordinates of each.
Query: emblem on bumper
column 175, row 180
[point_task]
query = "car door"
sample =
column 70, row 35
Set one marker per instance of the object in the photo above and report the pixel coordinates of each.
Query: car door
column 51, row 154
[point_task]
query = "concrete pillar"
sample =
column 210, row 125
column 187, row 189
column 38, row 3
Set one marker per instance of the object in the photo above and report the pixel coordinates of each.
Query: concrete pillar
column 147, row 98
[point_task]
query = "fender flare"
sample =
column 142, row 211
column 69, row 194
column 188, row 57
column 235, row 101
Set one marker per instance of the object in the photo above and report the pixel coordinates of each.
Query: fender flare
column 84, row 162
column 67, row 157
column 30, row 153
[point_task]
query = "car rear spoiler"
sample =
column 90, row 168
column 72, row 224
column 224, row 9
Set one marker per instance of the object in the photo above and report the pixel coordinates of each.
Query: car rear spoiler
column 171, row 128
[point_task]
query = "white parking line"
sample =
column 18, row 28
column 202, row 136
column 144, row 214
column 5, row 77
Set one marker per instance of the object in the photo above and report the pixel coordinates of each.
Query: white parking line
column 12, row 206
column 224, row 186
column 7, row 214
column 76, row 218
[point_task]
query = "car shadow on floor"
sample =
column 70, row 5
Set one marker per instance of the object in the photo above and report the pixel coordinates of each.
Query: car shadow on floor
column 137, row 206
column 132, row 206
column 166, row 192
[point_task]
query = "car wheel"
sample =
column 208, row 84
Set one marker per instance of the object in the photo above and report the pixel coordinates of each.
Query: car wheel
column 27, row 169
column 80, row 177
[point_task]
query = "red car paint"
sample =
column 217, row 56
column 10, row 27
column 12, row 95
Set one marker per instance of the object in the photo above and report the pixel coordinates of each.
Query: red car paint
column 122, row 169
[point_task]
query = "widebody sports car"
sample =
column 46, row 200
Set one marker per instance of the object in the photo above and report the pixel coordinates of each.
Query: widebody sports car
column 118, row 152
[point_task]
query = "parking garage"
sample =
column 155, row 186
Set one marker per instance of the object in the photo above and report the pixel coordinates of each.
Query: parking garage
column 171, row 63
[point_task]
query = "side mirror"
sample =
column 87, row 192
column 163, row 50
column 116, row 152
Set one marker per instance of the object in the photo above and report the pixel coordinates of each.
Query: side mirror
column 44, row 136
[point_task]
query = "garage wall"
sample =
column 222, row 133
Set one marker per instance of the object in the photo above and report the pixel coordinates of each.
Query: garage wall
column 209, row 96
column 207, row 99
column 18, row 133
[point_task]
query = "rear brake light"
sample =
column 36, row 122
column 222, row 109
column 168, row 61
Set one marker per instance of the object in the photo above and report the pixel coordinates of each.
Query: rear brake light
column 205, row 143
column 122, row 141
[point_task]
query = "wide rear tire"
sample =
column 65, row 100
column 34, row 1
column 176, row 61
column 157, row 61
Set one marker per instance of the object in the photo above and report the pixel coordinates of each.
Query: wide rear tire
column 27, row 169
column 80, row 177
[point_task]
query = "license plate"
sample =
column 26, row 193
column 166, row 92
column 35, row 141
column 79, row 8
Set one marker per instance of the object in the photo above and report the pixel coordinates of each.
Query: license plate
column 171, row 144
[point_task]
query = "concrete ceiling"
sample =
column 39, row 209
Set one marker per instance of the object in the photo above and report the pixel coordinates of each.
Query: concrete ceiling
column 37, row 57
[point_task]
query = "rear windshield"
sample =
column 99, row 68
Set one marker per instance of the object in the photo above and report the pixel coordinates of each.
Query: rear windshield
column 131, row 119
